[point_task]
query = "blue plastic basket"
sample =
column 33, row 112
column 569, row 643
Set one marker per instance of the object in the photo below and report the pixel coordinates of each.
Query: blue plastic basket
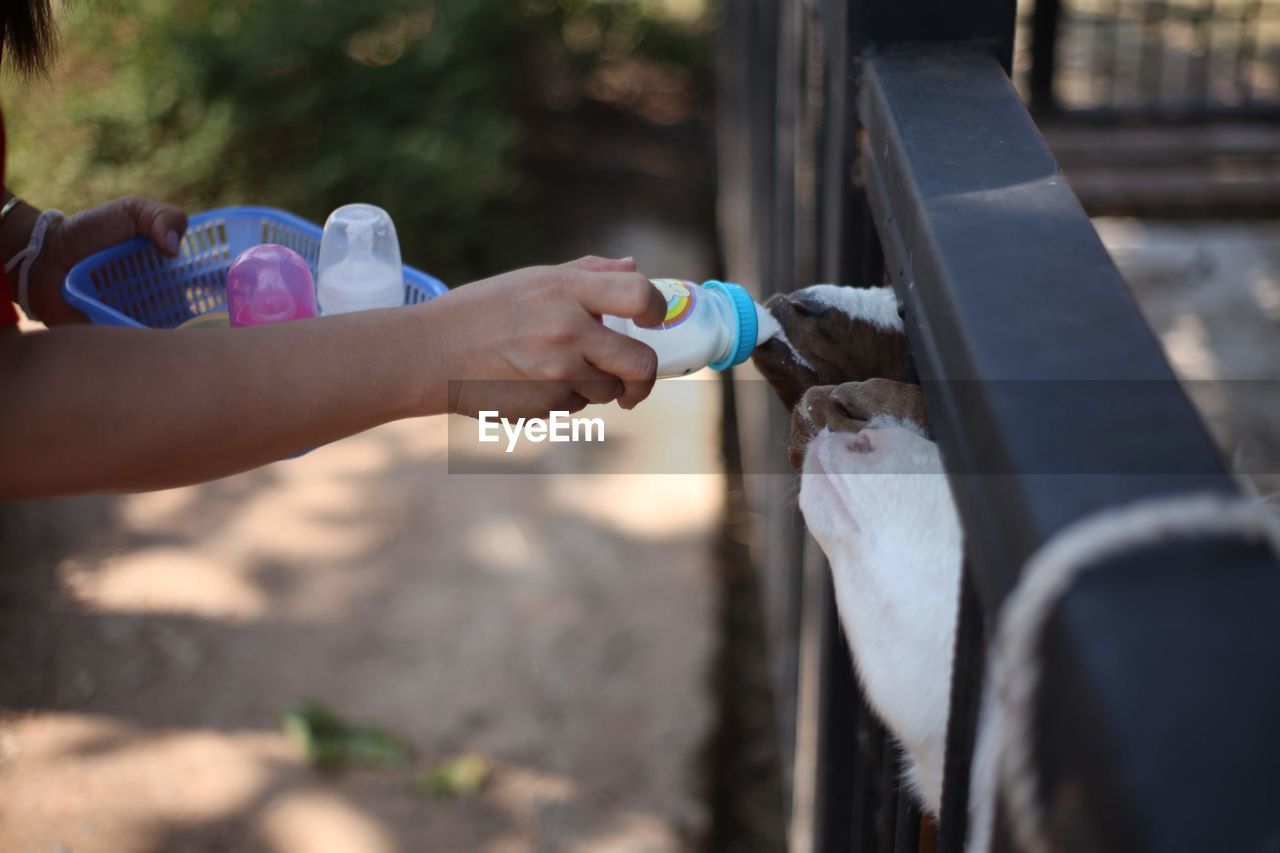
column 133, row 284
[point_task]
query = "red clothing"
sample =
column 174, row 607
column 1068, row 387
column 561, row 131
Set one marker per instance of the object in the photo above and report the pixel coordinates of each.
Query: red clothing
column 8, row 316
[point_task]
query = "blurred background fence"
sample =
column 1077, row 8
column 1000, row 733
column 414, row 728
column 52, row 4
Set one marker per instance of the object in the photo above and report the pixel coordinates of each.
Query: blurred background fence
column 1151, row 58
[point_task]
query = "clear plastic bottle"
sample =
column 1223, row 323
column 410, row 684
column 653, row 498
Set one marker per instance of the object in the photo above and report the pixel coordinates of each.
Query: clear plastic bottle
column 715, row 324
column 359, row 266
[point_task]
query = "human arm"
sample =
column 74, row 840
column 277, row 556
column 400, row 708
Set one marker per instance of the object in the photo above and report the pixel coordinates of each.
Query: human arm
column 79, row 236
column 92, row 409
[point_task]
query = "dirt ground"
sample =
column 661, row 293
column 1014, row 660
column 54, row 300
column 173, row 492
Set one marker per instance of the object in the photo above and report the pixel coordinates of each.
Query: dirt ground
column 558, row 623
column 1211, row 292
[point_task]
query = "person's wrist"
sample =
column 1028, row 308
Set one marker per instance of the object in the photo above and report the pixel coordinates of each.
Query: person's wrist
column 15, row 230
column 48, row 271
column 430, row 363
column 462, row 339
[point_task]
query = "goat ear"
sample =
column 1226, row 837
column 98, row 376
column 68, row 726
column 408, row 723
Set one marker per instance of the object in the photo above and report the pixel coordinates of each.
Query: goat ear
column 797, row 447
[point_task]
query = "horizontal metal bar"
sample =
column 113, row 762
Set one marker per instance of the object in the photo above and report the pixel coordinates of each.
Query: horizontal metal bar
column 988, row 24
column 1156, row 722
column 1137, row 114
column 1004, row 278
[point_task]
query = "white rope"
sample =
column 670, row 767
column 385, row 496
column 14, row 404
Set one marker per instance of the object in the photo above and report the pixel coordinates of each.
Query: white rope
column 24, row 259
column 1047, row 576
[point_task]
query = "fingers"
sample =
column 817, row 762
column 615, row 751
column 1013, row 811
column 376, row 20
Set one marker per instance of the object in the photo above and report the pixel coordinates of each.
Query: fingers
column 591, row 263
column 163, row 223
column 106, row 225
column 579, row 378
column 632, row 362
column 596, row 386
column 629, row 295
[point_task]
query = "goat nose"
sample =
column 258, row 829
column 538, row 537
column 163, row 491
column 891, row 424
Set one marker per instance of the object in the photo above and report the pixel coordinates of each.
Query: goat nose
column 845, row 403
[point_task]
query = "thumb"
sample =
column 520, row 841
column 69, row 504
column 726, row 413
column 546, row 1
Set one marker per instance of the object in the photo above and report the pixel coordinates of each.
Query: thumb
column 163, row 223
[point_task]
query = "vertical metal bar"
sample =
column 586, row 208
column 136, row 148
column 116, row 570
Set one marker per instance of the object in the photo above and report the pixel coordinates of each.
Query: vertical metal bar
column 1110, row 65
column 802, row 826
column 1102, row 52
column 1151, row 67
column 906, row 834
column 1198, row 66
column 1044, row 53
column 1246, row 49
column 783, row 537
column 851, row 740
column 871, row 744
column 835, row 141
column 868, row 266
column 962, row 725
column 809, row 127
column 842, row 762
column 841, row 710
column 887, row 807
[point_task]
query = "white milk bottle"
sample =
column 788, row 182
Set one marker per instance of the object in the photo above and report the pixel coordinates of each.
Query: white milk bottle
column 715, row 324
column 359, row 266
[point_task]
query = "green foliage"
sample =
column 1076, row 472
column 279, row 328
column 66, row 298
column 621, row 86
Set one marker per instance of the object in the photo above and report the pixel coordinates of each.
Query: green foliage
column 458, row 776
column 420, row 106
column 331, row 743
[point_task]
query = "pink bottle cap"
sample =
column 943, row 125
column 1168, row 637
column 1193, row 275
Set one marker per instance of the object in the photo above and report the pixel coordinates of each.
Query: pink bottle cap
column 269, row 284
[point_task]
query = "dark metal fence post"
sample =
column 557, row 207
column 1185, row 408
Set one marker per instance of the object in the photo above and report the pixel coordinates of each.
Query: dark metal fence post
column 1044, row 54
column 962, row 724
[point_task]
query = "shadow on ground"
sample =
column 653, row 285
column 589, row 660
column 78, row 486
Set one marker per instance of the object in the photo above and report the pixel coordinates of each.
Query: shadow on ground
column 555, row 623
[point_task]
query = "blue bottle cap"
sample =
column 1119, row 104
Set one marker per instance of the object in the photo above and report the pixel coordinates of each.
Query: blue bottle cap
column 747, row 327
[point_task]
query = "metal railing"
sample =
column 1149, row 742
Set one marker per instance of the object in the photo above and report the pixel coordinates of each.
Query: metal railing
column 870, row 139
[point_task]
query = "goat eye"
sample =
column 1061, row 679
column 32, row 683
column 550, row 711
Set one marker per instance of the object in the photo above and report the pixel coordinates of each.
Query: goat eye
column 806, row 309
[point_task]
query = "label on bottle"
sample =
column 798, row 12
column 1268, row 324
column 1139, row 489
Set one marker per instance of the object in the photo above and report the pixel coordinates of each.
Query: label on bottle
column 681, row 300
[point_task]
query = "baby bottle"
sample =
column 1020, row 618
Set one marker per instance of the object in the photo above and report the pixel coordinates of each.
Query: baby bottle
column 714, row 325
column 359, row 261
column 269, row 284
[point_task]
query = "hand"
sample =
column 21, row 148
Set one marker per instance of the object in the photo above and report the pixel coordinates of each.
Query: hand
column 90, row 231
column 531, row 341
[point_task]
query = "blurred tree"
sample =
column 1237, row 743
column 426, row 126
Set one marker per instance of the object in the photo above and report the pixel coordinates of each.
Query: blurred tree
column 420, row 106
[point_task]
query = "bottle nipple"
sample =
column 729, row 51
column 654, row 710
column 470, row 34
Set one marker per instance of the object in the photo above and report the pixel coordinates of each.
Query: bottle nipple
column 360, row 241
column 359, row 265
column 271, row 300
column 766, row 326
column 269, row 284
